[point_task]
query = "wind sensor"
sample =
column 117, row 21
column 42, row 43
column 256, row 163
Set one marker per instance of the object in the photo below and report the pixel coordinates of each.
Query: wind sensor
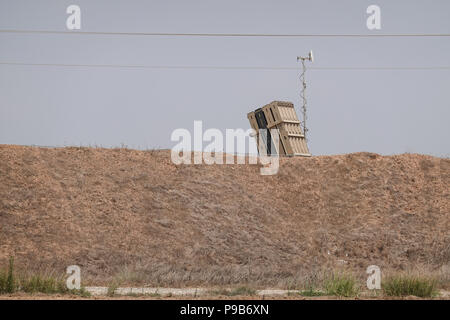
column 310, row 58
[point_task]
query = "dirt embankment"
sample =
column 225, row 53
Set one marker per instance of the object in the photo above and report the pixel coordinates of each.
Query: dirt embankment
column 134, row 213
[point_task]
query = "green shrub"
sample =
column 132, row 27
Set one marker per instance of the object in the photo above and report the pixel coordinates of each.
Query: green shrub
column 112, row 288
column 342, row 285
column 409, row 285
column 10, row 280
column 34, row 283
column 311, row 292
column 43, row 284
column 3, row 276
column 311, row 285
column 82, row 292
column 48, row 284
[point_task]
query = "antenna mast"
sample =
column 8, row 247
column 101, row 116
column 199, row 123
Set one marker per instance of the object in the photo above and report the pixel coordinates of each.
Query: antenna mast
column 302, row 92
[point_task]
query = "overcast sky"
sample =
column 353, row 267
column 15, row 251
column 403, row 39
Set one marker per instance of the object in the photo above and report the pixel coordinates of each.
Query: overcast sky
column 383, row 111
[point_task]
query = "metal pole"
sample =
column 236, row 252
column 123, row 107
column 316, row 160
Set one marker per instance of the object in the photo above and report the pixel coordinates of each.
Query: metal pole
column 303, row 91
column 303, row 95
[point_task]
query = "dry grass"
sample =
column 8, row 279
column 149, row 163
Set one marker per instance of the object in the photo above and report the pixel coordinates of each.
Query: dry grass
column 120, row 212
column 12, row 281
column 418, row 282
column 409, row 285
column 8, row 283
column 341, row 285
column 239, row 291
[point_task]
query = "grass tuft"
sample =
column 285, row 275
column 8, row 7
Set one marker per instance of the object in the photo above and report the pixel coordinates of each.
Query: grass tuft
column 38, row 283
column 34, row 283
column 11, row 280
column 3, row 280
column 8, row 282
column 341, row 285
column 112, row 288
column 311, row 292
column 409, row 285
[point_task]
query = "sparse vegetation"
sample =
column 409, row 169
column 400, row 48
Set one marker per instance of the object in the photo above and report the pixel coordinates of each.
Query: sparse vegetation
column 243, row 291
column 311, row 292
column 409, row 285
column 8, row 282
column 112, row 288
column 82, row 292
column 137, row 295
column 341, row 285
column 311, row 285
column 240, row 291
column 3, row 280
column 43, row 284
column 34, row 283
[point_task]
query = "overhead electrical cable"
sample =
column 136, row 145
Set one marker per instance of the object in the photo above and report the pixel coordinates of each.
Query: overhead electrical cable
column 194, row 34
column 135, row 66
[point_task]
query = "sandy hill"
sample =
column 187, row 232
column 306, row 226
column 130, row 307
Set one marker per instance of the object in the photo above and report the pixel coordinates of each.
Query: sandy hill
column 134, row 213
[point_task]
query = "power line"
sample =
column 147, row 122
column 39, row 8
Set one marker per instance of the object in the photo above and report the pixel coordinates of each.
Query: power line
column 382, row 68
column 147, row 66
column 268, row 68
column 272, row 35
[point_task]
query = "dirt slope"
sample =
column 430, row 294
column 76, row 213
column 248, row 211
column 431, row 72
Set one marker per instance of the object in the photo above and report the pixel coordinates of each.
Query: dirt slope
column 135, row 213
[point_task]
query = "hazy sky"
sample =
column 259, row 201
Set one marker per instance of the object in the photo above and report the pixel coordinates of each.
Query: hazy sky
column 383, row 111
